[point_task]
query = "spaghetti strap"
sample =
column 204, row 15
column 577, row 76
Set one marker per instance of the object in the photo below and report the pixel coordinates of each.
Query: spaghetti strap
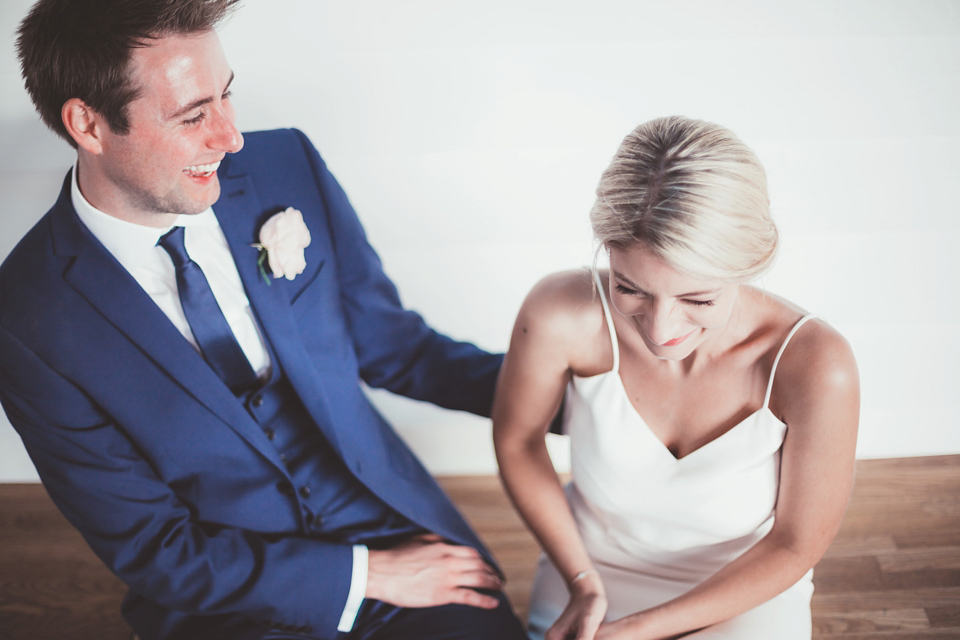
column 776, row 361
column 610, row 327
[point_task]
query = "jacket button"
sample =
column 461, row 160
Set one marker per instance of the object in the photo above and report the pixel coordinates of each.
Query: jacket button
column 270, row 433
column 257, row 401
column 285, row 488
column 304, row 492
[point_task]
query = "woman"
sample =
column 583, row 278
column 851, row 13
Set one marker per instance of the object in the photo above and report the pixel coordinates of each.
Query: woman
column 712, row 424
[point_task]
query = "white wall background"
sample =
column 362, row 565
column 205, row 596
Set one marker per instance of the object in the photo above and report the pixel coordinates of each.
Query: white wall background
column 470, row 137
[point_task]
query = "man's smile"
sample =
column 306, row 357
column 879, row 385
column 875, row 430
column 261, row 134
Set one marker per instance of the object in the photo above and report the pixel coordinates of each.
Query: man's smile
column 202, row 170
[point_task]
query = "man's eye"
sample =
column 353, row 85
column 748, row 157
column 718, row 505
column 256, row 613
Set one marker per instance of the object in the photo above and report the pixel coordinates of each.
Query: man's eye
column 195, row 120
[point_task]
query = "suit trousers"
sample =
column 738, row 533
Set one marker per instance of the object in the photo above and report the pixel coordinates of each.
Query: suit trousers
column 381, row 621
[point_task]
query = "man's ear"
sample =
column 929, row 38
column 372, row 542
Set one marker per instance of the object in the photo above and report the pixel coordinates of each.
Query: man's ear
column 84, row 125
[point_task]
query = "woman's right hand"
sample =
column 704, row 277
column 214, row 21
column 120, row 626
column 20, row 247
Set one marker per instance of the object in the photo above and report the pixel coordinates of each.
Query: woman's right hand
column 584, row 612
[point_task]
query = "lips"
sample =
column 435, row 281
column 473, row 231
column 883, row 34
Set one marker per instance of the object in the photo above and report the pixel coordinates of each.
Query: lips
column 676, row 341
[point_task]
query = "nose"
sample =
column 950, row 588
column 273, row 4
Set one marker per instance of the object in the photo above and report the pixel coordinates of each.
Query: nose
column 661, row 323
column 224, row 135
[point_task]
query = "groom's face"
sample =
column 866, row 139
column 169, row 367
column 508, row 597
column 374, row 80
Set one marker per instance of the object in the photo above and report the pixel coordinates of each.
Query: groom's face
column 181, row 126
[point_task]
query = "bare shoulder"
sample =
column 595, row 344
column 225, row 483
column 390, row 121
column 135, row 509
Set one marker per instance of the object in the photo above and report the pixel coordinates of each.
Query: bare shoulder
column 561, row 300
column 564, row 311
column 817, row 368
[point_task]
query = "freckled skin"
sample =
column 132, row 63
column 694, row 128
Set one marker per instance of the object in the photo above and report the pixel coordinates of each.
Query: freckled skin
column 140, row 176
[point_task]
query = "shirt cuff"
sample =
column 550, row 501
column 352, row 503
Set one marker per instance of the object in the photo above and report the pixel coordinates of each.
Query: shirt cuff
column 358, row 587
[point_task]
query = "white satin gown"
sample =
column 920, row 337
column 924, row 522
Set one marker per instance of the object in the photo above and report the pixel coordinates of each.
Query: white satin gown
column 656, row 526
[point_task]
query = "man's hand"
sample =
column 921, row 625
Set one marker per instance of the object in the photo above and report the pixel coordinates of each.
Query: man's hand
column 427, row 572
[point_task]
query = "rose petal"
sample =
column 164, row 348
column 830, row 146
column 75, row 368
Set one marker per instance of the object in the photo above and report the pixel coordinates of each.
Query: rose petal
column 285, row 236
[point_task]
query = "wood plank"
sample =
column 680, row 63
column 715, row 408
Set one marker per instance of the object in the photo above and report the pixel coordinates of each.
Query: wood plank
column 872, row 544
column 867, row 621
column 893, row 573
column 831, row 603
column 933, row 558
column 944, row 617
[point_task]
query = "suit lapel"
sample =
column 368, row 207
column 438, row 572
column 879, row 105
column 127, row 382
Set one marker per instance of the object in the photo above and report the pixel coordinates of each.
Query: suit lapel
column 241, row 215
column 97, row 276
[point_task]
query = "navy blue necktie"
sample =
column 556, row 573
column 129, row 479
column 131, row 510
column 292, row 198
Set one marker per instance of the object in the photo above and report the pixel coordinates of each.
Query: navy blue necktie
column 216, row 341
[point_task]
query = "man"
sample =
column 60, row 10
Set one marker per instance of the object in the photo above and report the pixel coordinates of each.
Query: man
column 200, row 422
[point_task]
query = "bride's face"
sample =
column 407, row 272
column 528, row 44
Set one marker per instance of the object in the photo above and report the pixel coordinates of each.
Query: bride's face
column 673, row 312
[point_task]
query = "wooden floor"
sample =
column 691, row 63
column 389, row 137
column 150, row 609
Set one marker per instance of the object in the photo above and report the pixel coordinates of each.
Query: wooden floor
column 893, row 572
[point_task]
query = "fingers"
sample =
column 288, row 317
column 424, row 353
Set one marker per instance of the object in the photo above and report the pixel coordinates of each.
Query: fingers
column 553, row 633
column 463, row 561
column 427, row 571
column 587, row 634
column 428, row 537
column 565, row 633
column 473, row 598
column 580, row 619
column 560, row 633
column 481, row 578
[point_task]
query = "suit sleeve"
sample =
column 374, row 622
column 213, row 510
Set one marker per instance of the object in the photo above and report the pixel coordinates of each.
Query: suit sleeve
column 395, row 348
column 134, row 522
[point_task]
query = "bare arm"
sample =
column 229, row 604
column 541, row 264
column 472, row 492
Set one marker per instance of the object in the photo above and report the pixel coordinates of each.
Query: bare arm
column 818, row 397
column 545, row 345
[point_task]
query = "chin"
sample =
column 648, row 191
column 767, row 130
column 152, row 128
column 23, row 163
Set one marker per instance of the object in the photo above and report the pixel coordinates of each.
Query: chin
column 672, row 357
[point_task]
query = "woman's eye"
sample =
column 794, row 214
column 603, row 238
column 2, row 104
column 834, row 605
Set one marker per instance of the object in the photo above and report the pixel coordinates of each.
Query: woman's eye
column 625, row 291
column 700, row 303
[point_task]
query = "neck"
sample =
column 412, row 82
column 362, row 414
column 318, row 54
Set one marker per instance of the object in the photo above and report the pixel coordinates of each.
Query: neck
column 95, row 190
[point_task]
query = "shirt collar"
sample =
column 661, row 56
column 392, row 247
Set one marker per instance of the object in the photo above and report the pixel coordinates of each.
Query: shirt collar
column 127, row 241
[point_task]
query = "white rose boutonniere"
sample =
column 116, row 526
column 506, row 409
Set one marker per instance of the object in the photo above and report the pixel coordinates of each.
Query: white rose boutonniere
column 282, row 240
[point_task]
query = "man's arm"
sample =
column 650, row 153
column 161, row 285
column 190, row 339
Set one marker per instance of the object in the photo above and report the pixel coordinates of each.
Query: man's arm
column 137, row 526
column 395, row 347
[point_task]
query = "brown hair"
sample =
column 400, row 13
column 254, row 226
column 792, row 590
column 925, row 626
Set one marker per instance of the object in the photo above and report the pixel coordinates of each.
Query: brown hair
column 694, row 194
column 81, row 49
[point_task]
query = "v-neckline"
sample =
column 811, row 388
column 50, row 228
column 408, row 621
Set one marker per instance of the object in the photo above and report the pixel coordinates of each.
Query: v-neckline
column 666, row 450
column 615, row 344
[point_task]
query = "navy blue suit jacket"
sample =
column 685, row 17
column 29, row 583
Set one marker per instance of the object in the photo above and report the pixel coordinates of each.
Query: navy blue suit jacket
column 152, row 458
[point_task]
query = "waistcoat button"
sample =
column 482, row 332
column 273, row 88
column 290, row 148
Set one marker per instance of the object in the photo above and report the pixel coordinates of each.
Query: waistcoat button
column 304, row 492
column 258, row 401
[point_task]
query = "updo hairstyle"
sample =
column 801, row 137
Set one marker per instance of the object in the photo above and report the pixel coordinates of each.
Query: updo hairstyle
column 694, row 194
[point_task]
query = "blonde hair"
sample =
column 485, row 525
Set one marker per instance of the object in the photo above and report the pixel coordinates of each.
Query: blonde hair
column 694, row 194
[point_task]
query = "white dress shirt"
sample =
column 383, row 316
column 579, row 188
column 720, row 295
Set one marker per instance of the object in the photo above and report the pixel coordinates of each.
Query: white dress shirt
column 135, row 248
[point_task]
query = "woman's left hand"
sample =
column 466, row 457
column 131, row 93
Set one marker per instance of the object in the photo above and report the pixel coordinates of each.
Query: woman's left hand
column 581, row 617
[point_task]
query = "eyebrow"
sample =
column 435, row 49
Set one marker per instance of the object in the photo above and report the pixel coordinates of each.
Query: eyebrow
column 635, row 286
column 199, row 103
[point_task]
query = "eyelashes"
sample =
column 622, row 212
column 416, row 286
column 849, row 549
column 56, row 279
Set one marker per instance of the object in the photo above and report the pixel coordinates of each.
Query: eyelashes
column 197, row 119
column 632, row 292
